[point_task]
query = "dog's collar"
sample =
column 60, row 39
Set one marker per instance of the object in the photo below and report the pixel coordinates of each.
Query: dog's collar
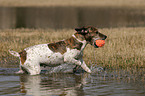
column 84, row 42
column 78, row 39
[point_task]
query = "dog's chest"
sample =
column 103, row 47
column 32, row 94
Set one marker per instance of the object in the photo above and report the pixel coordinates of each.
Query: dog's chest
column 58, row 58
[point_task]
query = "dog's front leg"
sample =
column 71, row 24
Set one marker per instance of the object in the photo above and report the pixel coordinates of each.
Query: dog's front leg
column 84, row 66
column 79, row 62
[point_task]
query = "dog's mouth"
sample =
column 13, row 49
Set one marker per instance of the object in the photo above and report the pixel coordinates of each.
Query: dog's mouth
column 95, row 46
column 98, row 43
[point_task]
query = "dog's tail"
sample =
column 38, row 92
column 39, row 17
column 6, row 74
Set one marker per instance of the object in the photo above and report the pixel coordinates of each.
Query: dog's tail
column 14, row 53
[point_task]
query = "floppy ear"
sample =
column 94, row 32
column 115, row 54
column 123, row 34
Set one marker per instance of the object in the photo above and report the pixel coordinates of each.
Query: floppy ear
column 81, row 30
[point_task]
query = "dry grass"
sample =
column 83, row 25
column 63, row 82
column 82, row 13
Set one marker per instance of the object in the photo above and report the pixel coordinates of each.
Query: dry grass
column 124, row 48
column 101, row 3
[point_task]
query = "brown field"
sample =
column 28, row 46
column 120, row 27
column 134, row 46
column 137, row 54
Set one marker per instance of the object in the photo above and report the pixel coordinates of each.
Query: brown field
column 124, row 48
column 99, row 3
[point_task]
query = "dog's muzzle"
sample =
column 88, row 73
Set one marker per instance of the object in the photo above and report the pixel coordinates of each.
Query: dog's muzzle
column 95, row 46
column 93, row 42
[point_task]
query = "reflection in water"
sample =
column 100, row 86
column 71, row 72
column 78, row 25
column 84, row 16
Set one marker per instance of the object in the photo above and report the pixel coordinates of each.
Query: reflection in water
column 56, row 84
column 70, row 17
column 82, row 85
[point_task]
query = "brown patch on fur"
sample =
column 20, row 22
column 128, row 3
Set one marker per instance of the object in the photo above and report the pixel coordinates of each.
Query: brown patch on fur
column 23, row 56
column 79, row 36
column 73, row 43
column 58, row 47
column 61, row 46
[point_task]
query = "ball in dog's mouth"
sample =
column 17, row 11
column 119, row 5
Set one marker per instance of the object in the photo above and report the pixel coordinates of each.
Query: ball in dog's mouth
column 99, row 43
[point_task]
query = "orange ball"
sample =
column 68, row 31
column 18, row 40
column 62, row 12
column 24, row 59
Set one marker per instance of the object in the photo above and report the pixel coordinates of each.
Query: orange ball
column 100, row 43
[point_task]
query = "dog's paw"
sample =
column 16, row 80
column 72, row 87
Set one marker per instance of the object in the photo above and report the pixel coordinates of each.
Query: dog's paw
column 20, row 72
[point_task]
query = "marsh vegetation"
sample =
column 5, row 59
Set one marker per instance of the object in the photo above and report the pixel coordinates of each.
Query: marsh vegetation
column 124, row 47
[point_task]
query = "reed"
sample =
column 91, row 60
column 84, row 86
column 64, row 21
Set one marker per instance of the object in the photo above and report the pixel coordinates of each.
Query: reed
column 124, row 48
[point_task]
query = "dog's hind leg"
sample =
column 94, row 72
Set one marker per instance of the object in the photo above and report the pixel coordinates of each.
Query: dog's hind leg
column 32, row 67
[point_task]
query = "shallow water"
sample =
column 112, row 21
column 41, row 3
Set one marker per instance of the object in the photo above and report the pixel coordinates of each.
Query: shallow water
column 105, row 83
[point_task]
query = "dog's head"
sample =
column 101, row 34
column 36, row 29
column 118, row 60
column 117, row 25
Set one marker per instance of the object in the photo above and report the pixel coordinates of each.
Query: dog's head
column 91, row 34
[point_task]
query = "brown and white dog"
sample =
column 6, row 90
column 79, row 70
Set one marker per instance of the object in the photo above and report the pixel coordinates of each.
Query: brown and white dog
column 68, row 52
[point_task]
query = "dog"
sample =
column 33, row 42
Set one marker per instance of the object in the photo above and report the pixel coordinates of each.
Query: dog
column 69, row 52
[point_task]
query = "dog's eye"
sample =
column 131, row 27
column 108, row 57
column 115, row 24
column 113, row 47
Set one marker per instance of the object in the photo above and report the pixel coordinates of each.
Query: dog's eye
column 97, row 32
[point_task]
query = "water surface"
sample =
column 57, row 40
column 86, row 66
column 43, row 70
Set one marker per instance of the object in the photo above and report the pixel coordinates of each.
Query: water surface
column 104, row 83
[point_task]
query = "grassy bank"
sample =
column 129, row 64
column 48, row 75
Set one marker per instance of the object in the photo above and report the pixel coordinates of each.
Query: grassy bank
column 100, row 3
column 124, row 48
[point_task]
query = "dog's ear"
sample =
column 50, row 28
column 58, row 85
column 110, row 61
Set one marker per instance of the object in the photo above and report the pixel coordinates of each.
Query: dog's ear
column 81, row 30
